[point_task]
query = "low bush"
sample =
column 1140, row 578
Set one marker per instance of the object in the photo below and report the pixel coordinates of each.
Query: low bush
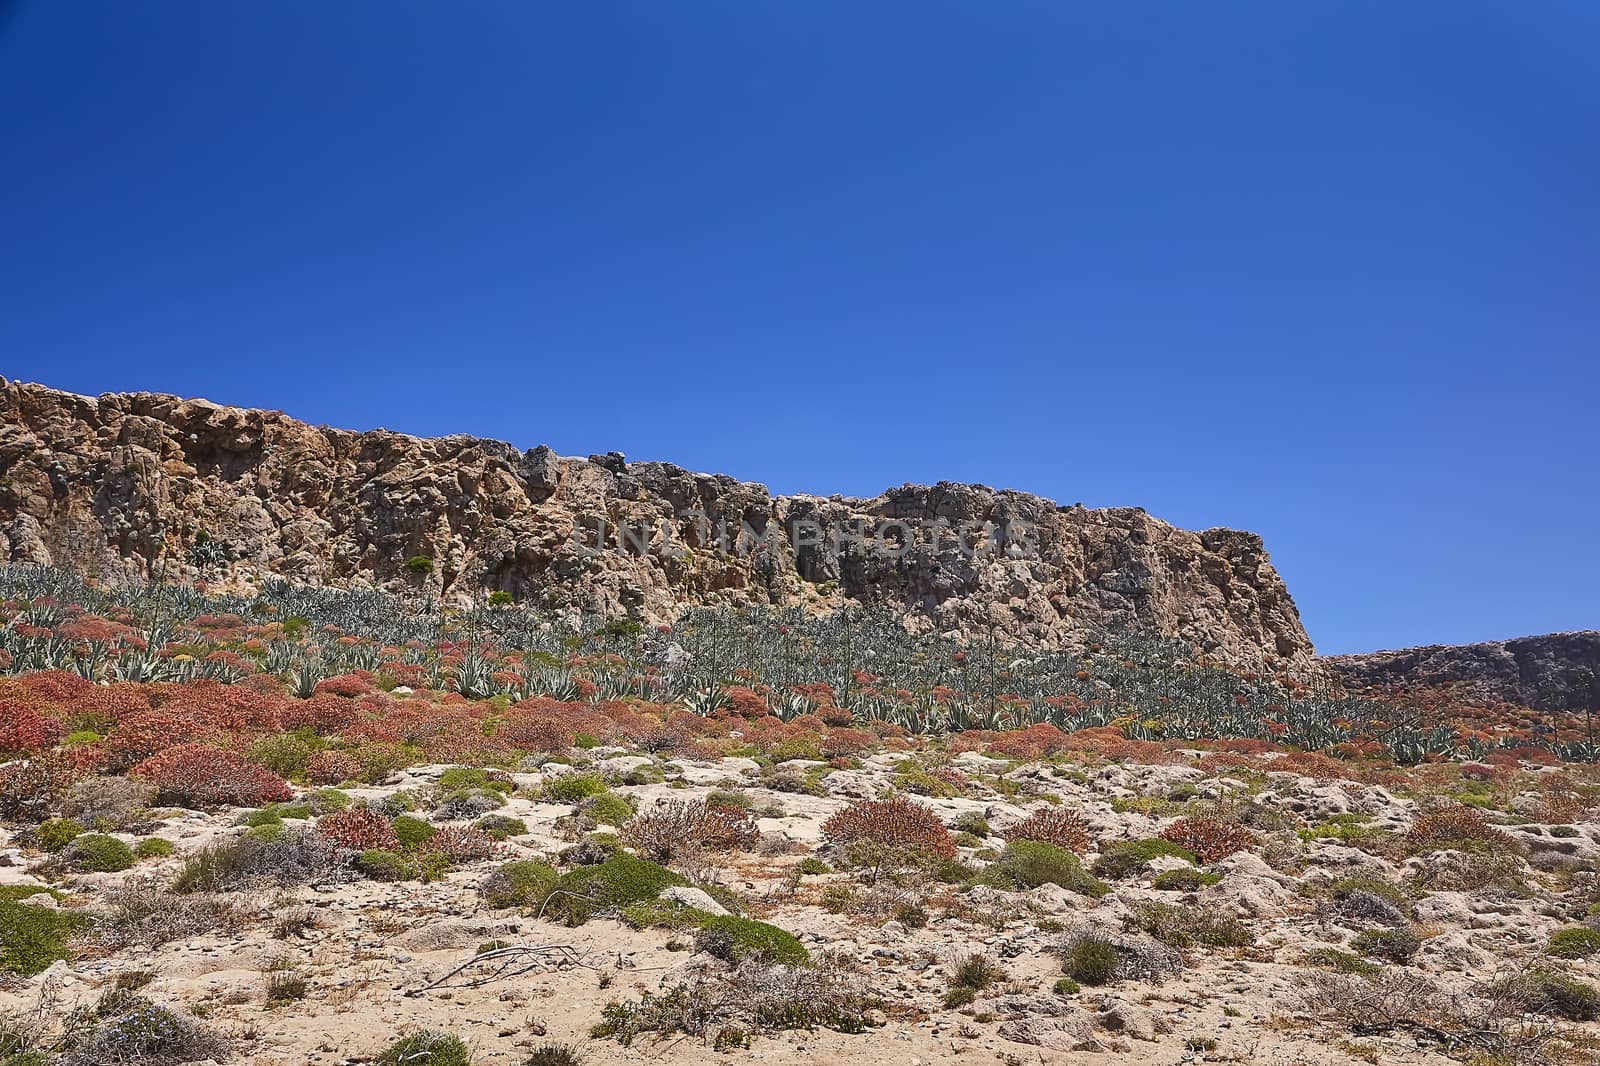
column 1342, row 962
column 358, row 829
column 678, row 828
column 1209, row 838
column 1190, row 925
column 146, row 913
column 607, row 808
column 95, row 853
column 32, row 937
column 572, row 788
column 291, row 858
column 128, row 1028
column 411, row 832
column 1091, row 960
column 752, row 997
column 622, row 879
column 1578, row 942
column 734, row 939
column 499, row 827
column 1395, row 945
column 1551, row 992
column 1052, row 825
column 153, row 848
column 1184, row 880
column 1029, row 864
column 427, row 1048
column 1129, row 858
column 895, row 823
column 196, row 775
column 386, row 865
column 524, row 883
column 55, row 834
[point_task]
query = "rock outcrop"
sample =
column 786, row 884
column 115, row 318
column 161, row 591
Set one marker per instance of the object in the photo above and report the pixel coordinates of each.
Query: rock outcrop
column 1559, row 671
column 125, row 484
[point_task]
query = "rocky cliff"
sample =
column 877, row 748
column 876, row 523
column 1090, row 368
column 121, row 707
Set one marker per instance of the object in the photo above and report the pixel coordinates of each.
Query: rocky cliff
column 124, row 484
column 1560, row 671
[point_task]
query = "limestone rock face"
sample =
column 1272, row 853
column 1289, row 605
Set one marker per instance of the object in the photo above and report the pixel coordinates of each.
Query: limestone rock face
column 1560, row 671
column 123, row 485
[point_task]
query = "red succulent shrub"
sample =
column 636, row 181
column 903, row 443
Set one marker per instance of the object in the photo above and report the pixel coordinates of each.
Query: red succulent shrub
column 1454, row 825
column 332, row 767
column 358, row 829
column 845, row 743
column 1209, row 838
column 142, row 734
column 461, row 843
column 680, row 827
column 350, row 686
column 895, row 822
column 324, row 714
column 200, row 775
column 25, row 731
column 746, row 702
column 1052, row 825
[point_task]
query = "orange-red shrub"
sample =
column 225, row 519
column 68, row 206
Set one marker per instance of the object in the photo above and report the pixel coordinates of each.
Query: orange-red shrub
column 895, row 822
column 1052, row 825
column 1209, row 838
column 358, row 829
column 199, row 775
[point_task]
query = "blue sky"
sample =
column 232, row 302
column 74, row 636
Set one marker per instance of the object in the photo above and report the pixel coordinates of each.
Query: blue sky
column 1325, row 271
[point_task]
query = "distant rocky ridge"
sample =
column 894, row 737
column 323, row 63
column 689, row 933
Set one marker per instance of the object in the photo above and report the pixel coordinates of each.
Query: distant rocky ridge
column 122, row 484
column 1559, row 671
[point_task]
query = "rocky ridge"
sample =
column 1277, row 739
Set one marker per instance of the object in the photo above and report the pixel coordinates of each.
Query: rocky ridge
column 123, row 485
column 1557, row 671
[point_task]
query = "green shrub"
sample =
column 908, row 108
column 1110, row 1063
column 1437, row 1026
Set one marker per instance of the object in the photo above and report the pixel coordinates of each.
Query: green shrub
column 1549, row 992
column 1396, row 945
column 500, row 598
column 386, row 865
column 1091, row 960
column 427, row 1048
column 32, row 937
column 554, row 1055
column 1184, row 880
column 1343, row 962
column 57, row 833
column 572, row 788
column 1578, row 942
column 1387, row 891
column 420, row 564
column 1128, row 858
column 663, row 914
column 1029, row 864
column 976, row 972
column 607, row 808
column 1066, row 986
column 1190, row 925
column 811, row 865
column 1564, row 831
column 732, row 939
column 285, row 754
column 413, row 832
column 458, row 778
column 94, row 853
column 153, row 848
column 608, row 887
column 499, row 827
column 524, row 883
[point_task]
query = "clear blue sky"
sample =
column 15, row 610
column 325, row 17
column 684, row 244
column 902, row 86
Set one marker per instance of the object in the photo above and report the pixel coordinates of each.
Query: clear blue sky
column 1327, row 271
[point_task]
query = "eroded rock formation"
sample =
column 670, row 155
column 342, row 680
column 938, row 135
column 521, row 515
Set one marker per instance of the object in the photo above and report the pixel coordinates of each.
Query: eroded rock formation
column 124, row 483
